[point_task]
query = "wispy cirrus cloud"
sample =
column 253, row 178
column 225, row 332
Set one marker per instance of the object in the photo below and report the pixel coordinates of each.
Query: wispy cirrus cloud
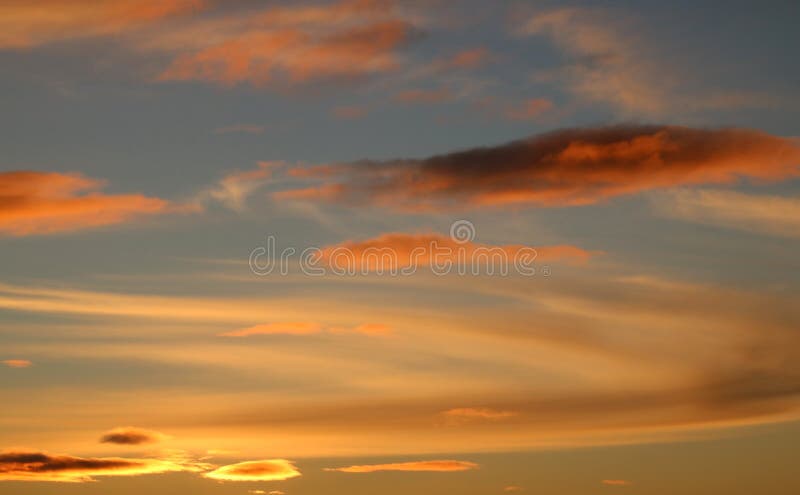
column 265, row 470
column 441, row 466
column 25, row 465
column 762, row 214
column 130, row 435
column 568, row 167
column 308, row 328
column 234, row 189
column 37, row 203
column 610, row 61
column 470, row 414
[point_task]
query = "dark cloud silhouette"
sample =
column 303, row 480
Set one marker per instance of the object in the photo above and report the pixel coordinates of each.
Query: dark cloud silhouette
column 562, row 168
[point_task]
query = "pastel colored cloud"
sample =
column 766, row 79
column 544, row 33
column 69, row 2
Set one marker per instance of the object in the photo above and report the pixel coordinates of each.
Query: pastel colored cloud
column 568, row 167
column 611, row 61
column 307, row 328
column 129, row 435
column 290, row 44
column 35, row 203
column 468, row 414
column 21, row 465
column 17, row 363
column 424, row 466
column 761, row 214
column 234, row 189
column 396, row 250
column 28, row 24
column 266, row 470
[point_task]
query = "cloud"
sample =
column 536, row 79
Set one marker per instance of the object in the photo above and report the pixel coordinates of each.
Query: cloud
column 307, row 328
column 567, row 167
column 616, row 482
column 35, row 203
column 771, row 215
column 423, row 96
column 433, row 466
column 529, row 109
column 266, row 470
column 240, row 129
column 397, row 250
column 26, row 24
column 466, row 59
column 289, row 45
column 349, row 112
column 469, row 414
column 17, row 363
column 235, row 188
column 21, row 465
column 512, row 488
column 130, row 435
column 611, row 62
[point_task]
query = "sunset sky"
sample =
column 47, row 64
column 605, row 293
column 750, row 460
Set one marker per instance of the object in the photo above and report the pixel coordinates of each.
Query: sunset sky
column 586, row 217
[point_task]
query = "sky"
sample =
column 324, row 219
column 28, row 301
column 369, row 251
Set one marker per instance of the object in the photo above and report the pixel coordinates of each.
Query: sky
column 383, row 246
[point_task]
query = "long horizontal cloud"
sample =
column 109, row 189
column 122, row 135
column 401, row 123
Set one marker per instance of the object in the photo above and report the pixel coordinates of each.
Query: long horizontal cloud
column 45, row 203
column 26, row 24
column 307, row 328
column 563, row 168
column 435, row 466
column 772, row 215
column 129, row 435
column 291, row 44
column 266, row 470
column 397, row 250
column 20, row 465
column 17, row 363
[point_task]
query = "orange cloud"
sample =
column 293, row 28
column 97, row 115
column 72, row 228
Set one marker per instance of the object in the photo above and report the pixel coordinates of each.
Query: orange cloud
column 17, row 363
column 396, row 250
column 512, row 488
column 562, row 168
column 265, row 51
column 435, row 466
column 44, row 203
column 616, row 482
column 307, row 328
column 267, row 470
column 25, row 24
column 466, row 414
column 39, row 466
column 130, row 435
